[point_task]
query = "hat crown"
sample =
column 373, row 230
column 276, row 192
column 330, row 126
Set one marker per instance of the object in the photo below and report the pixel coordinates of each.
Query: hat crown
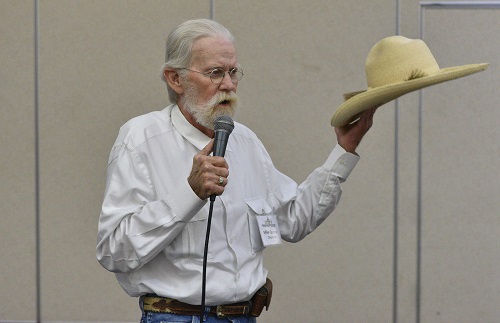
column 398, row 59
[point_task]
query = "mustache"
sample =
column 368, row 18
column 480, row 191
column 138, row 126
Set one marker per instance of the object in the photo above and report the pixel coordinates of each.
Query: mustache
column 230, row 97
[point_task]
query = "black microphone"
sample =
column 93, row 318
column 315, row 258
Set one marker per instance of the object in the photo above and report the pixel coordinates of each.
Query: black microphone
column 223, row 126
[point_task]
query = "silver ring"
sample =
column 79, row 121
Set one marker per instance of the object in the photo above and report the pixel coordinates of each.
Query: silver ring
column 221, row 180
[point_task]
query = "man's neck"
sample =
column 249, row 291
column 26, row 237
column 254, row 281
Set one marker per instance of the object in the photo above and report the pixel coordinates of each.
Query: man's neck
column 208, row 132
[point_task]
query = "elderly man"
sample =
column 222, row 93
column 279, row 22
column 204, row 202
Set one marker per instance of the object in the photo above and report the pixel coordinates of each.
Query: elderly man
column 160, row 173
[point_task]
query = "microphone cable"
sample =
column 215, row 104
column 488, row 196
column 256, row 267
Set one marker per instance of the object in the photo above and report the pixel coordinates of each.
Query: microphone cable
column 205, row 256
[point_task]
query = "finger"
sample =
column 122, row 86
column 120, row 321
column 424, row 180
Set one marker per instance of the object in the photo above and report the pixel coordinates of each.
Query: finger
column 220, row 178
column 221, row 172
column 220, row 165
column 208, row 148
column 367, row 115
column 373, row 110
column 221, row 181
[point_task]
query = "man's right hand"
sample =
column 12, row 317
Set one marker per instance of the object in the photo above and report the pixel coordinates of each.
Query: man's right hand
column 206, row 172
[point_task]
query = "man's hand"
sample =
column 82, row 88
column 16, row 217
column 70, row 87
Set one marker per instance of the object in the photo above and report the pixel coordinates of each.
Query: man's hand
column 349, row 136
column 206, row 173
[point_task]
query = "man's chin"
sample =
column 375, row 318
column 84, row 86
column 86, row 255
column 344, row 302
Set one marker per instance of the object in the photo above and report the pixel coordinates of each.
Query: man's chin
column 206, row 117
column 224, row 109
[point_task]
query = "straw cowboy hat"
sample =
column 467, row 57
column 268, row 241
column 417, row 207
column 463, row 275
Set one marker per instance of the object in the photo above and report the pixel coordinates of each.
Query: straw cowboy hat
column 395, row 66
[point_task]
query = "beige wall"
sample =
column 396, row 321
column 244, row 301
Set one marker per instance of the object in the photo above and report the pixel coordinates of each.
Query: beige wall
column 98, row 67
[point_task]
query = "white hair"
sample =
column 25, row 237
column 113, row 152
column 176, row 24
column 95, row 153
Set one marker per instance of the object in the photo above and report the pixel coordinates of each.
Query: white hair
column 180, row 42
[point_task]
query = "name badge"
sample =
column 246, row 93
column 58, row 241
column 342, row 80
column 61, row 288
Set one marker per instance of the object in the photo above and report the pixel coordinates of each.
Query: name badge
column 269, row 229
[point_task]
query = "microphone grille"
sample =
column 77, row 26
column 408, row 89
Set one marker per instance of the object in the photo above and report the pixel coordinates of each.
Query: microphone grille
column 224, row 123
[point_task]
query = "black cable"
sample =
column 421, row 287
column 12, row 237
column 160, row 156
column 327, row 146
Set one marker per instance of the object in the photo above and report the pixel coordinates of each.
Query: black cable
column 223, row 126
column 205, row 253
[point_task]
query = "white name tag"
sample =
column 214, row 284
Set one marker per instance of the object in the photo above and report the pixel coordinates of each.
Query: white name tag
column 269, row 229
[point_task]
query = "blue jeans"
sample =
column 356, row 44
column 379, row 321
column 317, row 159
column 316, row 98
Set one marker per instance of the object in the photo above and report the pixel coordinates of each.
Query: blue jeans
column 150, row 317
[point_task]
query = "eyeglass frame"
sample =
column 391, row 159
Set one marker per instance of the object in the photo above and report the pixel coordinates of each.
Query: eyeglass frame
column 210, row 73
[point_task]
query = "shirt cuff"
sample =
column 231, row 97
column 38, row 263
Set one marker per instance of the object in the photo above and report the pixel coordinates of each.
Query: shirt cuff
column 341, row 163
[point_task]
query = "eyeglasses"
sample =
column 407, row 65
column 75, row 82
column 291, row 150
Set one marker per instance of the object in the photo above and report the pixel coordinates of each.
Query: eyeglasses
column 217, row 74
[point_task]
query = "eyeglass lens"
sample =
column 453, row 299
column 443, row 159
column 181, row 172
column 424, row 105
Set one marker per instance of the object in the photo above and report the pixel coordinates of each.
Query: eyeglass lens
column 217, row 75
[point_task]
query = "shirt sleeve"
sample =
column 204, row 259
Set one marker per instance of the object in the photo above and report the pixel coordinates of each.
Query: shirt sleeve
column 304, row 207
column 341, row 163
column 134, row 225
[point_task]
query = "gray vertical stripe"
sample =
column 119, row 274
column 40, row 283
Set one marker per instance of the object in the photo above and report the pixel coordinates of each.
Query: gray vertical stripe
column 37, row 164
column 212, row 9
column 396, row 193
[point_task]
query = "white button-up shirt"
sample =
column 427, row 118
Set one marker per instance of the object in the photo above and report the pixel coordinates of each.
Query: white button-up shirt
column 152, row 225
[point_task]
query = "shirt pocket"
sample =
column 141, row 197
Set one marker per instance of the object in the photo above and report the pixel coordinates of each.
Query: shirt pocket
column 256, row 207
column 190, row 243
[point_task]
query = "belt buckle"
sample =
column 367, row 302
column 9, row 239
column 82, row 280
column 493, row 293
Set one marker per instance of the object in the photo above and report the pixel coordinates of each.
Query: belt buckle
column 245, row 309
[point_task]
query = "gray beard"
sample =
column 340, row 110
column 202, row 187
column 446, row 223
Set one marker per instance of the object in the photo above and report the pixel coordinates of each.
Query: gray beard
column 206, row 113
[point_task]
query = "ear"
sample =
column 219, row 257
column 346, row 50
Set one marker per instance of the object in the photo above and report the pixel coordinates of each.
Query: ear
column 172, row 77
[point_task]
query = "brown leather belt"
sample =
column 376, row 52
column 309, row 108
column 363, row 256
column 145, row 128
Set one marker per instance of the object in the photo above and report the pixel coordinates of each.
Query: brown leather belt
column 167, row 305
column 261, row 299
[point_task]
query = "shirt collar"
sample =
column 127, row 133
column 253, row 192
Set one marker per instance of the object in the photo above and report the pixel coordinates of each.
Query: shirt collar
column 187, row 130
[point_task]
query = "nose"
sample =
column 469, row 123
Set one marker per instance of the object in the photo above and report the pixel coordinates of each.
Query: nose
column 227, row 84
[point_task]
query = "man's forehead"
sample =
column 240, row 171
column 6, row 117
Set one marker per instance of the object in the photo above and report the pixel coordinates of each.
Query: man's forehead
column 213, row 50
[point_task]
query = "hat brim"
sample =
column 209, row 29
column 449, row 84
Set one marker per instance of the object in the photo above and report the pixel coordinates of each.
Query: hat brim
column 350, row 109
